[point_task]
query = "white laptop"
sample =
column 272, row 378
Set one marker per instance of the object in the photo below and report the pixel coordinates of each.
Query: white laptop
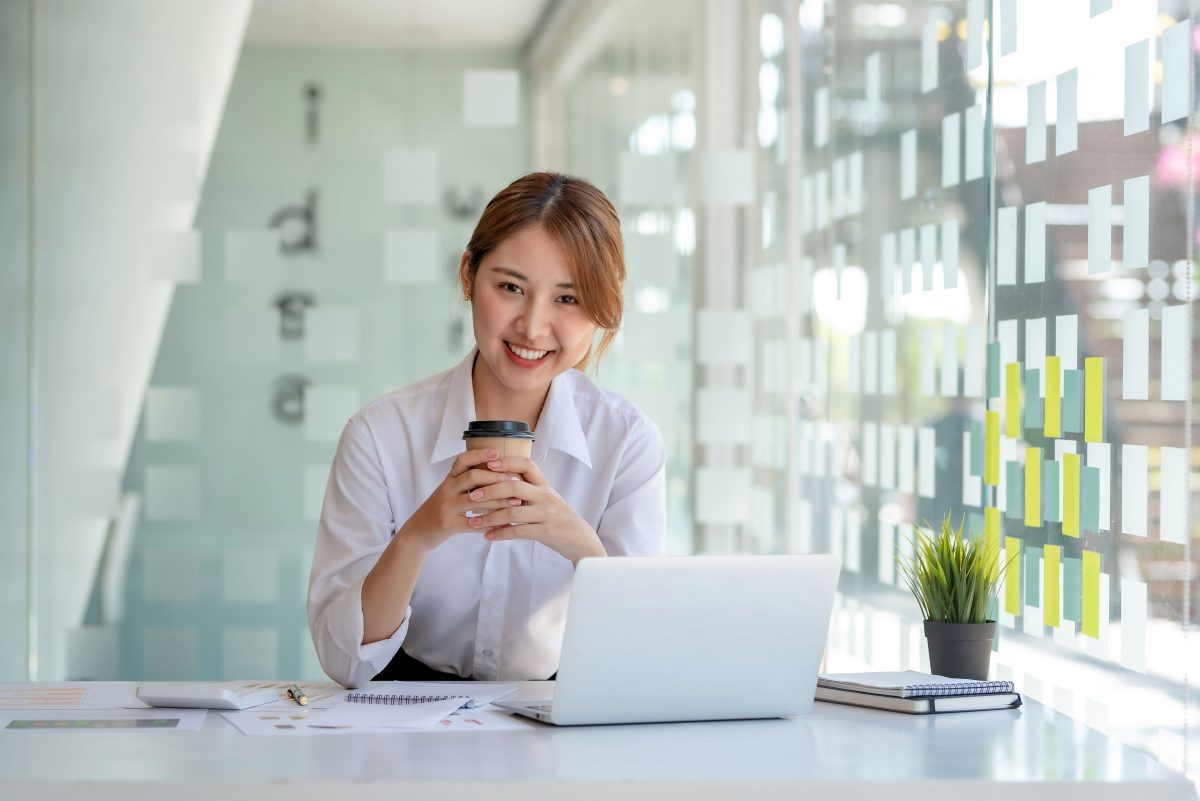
column 655, row 639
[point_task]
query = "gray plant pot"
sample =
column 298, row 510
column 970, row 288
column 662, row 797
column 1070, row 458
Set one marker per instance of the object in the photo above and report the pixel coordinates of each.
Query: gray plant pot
column 960, row 650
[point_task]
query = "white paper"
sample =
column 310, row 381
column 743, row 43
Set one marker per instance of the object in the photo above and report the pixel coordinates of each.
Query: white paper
column 949, row 383
column 62, row 696
column 928, row 363
column 1173, row 508
column 929, row 56
column 1176, row 372
column 1035, row 350
column 908, row 164
column 411, row 177
column 1099, row 455
column 117, row 720
column 870, row 383
column 821, row 116
column 1066, row 129
column 1134, row 489
column 412, row 256
column 887, row 362
column 1035, row 127
column 928, row 254
column 1135, row 252
column 468, row 720
column 873, row 84
column 974, row 34
column 887, row 456
column 951, row 147
column 1135, row 359
column 726, row 177
column 973, row 140
column 1133, row 625
column 647, row 179
column 1137, row 87
column 1176, row 71
column 1006, row 246
column 949, row 254
column 1100, row 229
column 1035, row 243
column 907, row 258
column 926, row 454
column 1066, row 341
column 724, row 336
column 974, row 362
column 870, row 445
column 907, row 457
column 491, row 97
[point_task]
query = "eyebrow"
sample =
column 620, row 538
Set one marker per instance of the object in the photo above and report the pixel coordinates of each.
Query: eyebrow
column 518, row 276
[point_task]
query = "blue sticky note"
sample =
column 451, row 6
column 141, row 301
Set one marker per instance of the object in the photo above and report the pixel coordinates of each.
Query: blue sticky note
column 1033, row 557
column 1089, row 499
column 1072, row 599
column 1014, row 502
column 1050, row 501
column 1033, row 398
column 976, row 448
column 993, row 370
column 1072, row 402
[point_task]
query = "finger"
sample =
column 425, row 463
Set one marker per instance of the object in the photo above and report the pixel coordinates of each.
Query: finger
column 518, row 464
column 502, row 490
column 472, row 458
column 477, row 477
column 489, row 506
column 526, row 532
column 511, row 514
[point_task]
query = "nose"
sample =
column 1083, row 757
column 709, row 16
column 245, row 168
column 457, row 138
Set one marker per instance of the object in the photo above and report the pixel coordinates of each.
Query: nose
column 534, row 323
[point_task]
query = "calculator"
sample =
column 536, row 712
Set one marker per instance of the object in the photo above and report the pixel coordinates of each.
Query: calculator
column 205, row 696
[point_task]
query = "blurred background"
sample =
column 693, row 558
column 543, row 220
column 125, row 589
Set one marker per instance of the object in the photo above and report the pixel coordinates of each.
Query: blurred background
column 857, row 234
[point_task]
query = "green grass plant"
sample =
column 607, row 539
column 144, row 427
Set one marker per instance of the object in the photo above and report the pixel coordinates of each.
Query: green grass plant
column 953, row 578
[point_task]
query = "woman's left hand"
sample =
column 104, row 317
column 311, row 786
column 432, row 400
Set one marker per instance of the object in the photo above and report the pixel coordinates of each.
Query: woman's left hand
column 544, row 517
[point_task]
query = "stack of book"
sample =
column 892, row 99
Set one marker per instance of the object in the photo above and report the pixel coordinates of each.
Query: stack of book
column 916, row 693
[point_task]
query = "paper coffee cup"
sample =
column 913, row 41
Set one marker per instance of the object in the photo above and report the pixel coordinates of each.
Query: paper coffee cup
column 507, row 437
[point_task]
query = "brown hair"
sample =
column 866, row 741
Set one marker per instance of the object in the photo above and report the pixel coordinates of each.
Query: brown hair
column 585, row 225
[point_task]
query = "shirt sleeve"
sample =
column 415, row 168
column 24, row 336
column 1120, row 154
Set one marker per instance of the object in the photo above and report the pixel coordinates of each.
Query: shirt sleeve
column 356, row 526
column 635, row 521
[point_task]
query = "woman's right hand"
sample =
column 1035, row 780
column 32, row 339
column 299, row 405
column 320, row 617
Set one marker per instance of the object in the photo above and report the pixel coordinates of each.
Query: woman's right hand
column 444, row 512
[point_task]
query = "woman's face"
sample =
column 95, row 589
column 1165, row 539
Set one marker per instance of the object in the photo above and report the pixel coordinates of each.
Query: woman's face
column 528, row 321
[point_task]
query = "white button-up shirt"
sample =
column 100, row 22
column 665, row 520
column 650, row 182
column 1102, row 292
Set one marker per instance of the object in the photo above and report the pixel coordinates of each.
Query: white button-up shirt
column 491, row 610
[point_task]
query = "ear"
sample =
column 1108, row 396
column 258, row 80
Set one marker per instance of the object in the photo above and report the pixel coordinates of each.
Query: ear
column 464, row 273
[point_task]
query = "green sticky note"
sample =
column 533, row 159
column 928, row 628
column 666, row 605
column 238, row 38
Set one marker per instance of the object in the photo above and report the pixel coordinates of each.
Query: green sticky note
column 976, row 448
column 1089, row 499
column 993, row 370
column 1050, row 472
column 1014, row 502
column 1072, row 402
column 1072, row 600
column 1033, row 556
column 1033, row 398
column 975, row 524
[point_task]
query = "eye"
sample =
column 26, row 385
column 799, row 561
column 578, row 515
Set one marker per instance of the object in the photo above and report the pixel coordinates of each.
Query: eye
column 569, row 299
column 509, row 286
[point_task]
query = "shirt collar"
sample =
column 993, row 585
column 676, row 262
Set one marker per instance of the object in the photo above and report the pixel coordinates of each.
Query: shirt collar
column 558, row 427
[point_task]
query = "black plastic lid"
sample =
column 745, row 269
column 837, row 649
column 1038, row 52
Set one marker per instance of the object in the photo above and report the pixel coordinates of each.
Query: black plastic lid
column 497, row 428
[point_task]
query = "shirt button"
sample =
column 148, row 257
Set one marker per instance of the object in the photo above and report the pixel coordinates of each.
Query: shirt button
column 487, row 652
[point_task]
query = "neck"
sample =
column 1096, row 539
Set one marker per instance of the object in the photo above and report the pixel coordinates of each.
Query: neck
column 494, row 401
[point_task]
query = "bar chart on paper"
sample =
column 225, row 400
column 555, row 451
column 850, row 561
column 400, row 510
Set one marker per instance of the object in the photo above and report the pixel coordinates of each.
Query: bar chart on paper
column 64, row 696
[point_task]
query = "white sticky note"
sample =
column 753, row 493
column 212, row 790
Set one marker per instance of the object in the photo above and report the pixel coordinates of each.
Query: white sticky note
column 887, row 456
column 169, row 575
column 822, row 190
column 1099, row 455
column 870, row 451
column 974, row 34
column 929, row 56
column 722, row 494
column 949, row 254
column 1135, row 250
column 172, row 492
column 870, row 382
column 723, row 416
column 1100, row 229
column 973, row 143
column 1134, row 489
column 1008, row 27
column 1173, row 506
column 908, row 164
column 250, row 575
column 821, row 116
column 170, row 653
column 1066, row 127
column 1006, row 246
column 726, row 177
column 854, row 198
column 972, row 484
column 1066, row 341
column 928, row 254
column 326, row 410
column 906, row 442
column 1035, row 350
column 491, row 97
column 411, row 177
column 412, row 256
column 1035, row 243
column 252, row 255
column 313, row 491
column 1137, row 87
column 928, row 362
column 949, row 383
column 1176, row 335
column 1035, row 126
column 249, row 651
column 887, row 361
column 1135, row 360
column 974, row 362
column 1133, row 624
column 647, row 179
column 951, row 149
column 1176, row 71
column 907, row 257
column 887, row 552
column 172, row 414
column 332, row 335
column 724, row 336
column 927, row 458
column 873, row 84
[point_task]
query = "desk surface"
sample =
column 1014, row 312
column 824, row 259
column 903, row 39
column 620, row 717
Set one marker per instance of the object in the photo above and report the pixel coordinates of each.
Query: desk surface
column 835, row 751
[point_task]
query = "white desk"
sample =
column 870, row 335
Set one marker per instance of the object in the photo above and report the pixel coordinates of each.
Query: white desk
column 836, row 752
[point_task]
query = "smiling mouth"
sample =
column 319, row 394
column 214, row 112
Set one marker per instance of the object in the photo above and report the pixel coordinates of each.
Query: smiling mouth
column 526, row 356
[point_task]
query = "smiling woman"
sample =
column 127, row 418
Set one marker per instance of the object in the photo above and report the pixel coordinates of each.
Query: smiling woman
column 465, row 558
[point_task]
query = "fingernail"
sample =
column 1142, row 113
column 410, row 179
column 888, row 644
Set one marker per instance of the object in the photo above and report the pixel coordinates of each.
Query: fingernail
column 494, row 464
column 493, row 454
column 514, row 478
column 514, row 502
column 476, row 522
column 489, row 536
column 476, row 495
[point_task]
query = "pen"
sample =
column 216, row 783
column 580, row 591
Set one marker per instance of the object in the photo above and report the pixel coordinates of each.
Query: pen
column 298, row 695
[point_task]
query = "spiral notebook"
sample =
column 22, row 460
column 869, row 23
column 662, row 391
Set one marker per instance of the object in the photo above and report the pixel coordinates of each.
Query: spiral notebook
column 910, row 684
column 404, row 693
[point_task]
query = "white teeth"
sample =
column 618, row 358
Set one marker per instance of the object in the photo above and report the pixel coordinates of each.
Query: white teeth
column 532, row 355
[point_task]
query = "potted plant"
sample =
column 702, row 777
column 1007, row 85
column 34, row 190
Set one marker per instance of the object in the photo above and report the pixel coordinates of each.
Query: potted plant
column 954, row 580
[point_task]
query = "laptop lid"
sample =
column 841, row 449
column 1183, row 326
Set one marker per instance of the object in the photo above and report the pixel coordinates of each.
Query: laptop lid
column 693, row 638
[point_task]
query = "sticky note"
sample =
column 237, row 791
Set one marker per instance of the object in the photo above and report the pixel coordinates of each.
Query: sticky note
column 1090, row 624
column 1012, row 405
column 928, row 365
column 1133, row 624
column 1176, row 372
column 1012, row 575
column 1050, row 494
column 821, row 116
column 723, row 495
column 906, row 455
column 1051, row 558
column 1053, row 415
column 1014, row 490
column 1070, row 500
column 887, row 361
column 1135, row 250
column 887, row 456
column 870, row 445
column 976, row 461
column 1033, row 487
column 972, row 483
column 928, row 254
column 949, row 384
column 1176, row 70
column 1134, row 489
column 1072, row 591
column 1035, row 243
column 1173, row 488
column 491, row 97
column 1035, row 128
column 973, row 362
column 1072, row 404
column 974, row 34
column 723, row 416
column 908, row 164
column 1033, row 569
column 1035, row 347
column 1093, row 399
column 991, row 538
column 1099, row 456
column 1066, row 340
column 1137, row 87
column 949, row 253
column 973, row 141
column 993, row 370
column 991, row 458
column 951, row 149
column 908, row 257
column 1100, row 229
column 927, row 460
column 873, row 83
column 726, row 177
column 1006, row 246
column 1033, row 400
column 929, row 56
column 1135, row 362
column 1066, row 130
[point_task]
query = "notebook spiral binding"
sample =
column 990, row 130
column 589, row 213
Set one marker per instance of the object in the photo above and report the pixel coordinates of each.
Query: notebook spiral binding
column 399, row 699
column 979, row 688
